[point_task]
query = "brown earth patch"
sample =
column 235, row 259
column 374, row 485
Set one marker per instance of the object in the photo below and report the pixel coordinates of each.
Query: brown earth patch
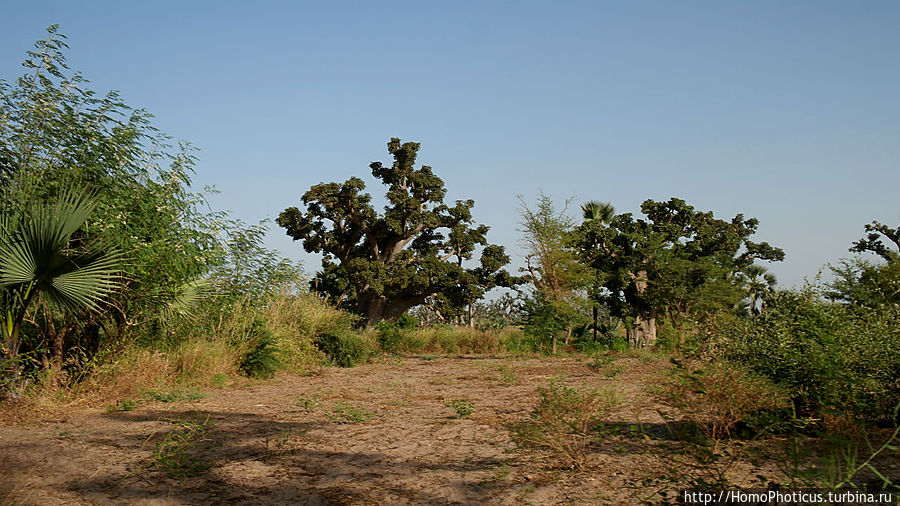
column 375, row 434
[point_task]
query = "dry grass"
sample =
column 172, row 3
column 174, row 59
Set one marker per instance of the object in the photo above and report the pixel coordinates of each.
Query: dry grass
column 452, row 340
column 717, row 396
column 565, row 421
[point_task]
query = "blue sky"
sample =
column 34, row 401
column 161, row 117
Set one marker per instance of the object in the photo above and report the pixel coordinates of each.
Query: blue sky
column 785, row 111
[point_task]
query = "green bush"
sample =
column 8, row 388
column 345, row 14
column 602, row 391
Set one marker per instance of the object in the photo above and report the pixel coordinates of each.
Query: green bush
column 263, row 359
column 832, row 357
column 344, row 348
column 391, row 336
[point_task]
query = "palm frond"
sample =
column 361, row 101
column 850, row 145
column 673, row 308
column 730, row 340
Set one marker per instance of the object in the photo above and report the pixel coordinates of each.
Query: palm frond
column 189, row 295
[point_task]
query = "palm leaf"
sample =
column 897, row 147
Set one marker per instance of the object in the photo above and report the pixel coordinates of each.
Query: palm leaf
column 33, row 250
column 189, row 295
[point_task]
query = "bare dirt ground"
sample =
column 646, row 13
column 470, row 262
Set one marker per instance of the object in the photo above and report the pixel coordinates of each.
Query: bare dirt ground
column 375, row 434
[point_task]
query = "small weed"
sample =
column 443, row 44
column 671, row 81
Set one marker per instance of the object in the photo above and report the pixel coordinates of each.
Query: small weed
column 220, row 379
column 308, row 404
column 462, row 408
column 502, row 473
column 176, row 395
column 123, row 405
column 613, row 370
column 183, row 452
column 603, row 364
column 507, row 374
column 598, row 362
column 285, row 442
column 342, row 412
column 428, row 357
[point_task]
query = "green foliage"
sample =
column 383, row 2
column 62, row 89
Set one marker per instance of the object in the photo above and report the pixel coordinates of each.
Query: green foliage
column 342, row 412
column 830, row 356
column 863, row 283
column 565, row 421
column 679, row 262
column 263, row 359
column 344, row 347
column 559, row 303
column 184, row 451
column 391, row 336
column 386, row 264
column 250, row 270
column 39, row 258
column 174, row 395
column 55, row 134
column 461, row 407
column 874, row 242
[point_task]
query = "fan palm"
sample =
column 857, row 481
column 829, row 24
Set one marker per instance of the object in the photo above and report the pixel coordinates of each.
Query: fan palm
column 597, row 211
column 37, row 257
column 759, row 283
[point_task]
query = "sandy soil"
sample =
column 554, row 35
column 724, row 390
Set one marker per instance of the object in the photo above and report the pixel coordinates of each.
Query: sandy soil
column 375, row 434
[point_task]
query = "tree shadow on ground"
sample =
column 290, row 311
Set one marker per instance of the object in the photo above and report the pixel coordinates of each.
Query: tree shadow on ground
column 251, row 458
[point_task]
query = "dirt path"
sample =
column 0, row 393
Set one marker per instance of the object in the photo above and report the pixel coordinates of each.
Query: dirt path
column 375, row 434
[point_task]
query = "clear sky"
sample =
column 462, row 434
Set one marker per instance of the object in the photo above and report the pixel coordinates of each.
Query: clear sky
column 785, row 111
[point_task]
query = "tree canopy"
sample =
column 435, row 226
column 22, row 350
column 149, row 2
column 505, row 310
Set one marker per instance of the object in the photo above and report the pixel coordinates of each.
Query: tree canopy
column 387, row 263
column 677, row 261
column 864, row 283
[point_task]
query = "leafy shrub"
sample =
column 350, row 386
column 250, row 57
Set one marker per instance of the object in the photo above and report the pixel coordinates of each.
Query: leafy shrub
column 344, row 348
column 262, row 360
column 718, row 396
column 183, row 452
column 174, row 395
column 342, row 412
column 515, row 340
column 830, row 356
column 564, row 422
column 461, row 408
column 390, row 336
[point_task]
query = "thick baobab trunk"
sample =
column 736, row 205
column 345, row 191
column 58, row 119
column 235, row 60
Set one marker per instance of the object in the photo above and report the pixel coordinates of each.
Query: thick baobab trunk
column 642, row 333
column 378, row 308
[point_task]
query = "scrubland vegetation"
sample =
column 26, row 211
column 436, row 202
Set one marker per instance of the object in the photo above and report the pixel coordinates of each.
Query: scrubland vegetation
column 119, row 288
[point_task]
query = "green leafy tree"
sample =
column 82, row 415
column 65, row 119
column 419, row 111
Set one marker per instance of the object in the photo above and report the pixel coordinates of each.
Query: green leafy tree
column 57, row 133
column 864, row 283
column 388, row 263
column 253, row 271
column 560, row 279
column 39, row 258
column 677, row 262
